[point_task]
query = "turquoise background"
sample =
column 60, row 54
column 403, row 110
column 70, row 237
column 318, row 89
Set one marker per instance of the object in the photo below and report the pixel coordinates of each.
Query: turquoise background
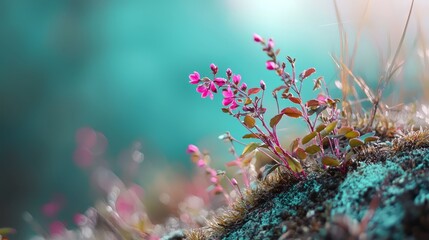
column 121, row 67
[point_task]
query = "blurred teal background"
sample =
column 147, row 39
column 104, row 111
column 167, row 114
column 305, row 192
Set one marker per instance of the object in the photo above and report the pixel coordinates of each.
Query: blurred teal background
column 121, row 68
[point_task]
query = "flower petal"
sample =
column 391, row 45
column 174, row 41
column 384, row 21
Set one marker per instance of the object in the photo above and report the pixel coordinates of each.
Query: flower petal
column 194, row 78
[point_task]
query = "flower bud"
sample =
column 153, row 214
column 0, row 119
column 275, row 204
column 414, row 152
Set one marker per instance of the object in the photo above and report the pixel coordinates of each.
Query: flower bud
column 243, row 87
column 257, row 38
column 192, row 149
column 214, row 68
column 271, row 65
column 262, row 84
column 234, row 181
column 270, row 43
column 228, row 72
column 236, row 79
column 201, row 163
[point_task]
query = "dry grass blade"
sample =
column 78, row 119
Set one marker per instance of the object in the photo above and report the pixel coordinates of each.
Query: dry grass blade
column 390, row 71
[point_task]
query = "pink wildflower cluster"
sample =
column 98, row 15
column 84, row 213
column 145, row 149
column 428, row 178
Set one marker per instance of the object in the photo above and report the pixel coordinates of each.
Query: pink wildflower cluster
column 233, row 92
column 202, row 162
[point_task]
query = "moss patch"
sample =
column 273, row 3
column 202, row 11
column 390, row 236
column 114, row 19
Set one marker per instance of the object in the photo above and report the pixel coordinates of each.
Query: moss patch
column 308, row 209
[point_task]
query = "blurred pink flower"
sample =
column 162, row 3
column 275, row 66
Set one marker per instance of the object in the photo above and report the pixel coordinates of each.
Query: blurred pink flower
column 257, row 38
column 270, row 43
column 192, row 149
column 56, row 228
column 271, row 65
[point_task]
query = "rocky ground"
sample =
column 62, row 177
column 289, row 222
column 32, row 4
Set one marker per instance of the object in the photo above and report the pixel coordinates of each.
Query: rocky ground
column 384, row 196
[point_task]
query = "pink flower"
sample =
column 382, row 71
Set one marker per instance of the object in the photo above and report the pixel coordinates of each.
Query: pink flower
column 262, row 84
column 229, row 99
column 270, row 43
column 236, row 79
column 257, row 38
column 219, row 81
column 194, row 78
column 56, row 228
column 201, row 163
column 192, row 149
column 271, row 65
column 228, row 96
column 213, row 180
column 214, row 68
column 207, row 90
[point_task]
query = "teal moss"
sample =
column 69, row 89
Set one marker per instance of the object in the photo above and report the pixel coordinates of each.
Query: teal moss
column 264, row 222
column 401, row 181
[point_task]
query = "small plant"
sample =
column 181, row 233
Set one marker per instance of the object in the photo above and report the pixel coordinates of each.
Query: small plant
column 329, row 140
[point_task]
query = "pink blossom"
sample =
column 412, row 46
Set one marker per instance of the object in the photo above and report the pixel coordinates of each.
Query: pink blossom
column 79, row 219
column 194, row 78
column 56, row 228
column 270, row 43
column 207, row 90
column 201, row 163
column 228, row 96
column 257, row 38
column 213, row 180
column 234, row 181
column 219, row 81
column 262, row 84
column 243, row 87
column 214, row 68
column 234, row 105
column 229, row 99
column 271, row 65
column 192, row 149
column 236, row 79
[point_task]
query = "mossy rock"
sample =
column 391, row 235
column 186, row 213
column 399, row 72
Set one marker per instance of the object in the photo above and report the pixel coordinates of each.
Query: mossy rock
column 384, row 196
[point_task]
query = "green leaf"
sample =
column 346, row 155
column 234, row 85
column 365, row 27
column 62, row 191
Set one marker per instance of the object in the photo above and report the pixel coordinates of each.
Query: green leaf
column 317, row 110
column 307, row 138
column 250, row 135
column 344, row 130
column 368, row 137
column 330, row 161
column 275, row 120
column 330, row 127
column 321, row 127
column 294, row 164
column 250, row 147
column 352, row 134
column 294, row 145
column 371, row 139
column 354, row 142
column 313, row 149
column 300, row 153
column 269, row 168
column 317, row 83
column 249, row 121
